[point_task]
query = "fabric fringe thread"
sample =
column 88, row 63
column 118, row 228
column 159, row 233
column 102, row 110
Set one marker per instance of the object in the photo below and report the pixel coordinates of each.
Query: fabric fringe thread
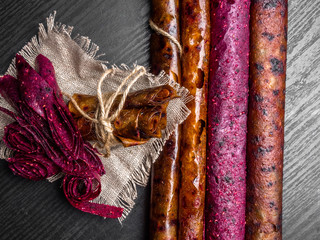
column 140, row 176
column 102, row 120
column 30, row 51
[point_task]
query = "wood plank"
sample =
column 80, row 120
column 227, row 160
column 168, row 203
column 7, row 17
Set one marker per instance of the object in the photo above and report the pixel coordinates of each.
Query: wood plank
column 301, row 196
column 38, row 210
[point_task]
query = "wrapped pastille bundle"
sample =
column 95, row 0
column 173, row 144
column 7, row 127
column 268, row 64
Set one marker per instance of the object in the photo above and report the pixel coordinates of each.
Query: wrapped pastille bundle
column 64, row 114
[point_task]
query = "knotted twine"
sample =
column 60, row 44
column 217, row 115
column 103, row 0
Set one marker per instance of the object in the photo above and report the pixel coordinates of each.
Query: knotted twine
column 77, row 67
column 102, row 120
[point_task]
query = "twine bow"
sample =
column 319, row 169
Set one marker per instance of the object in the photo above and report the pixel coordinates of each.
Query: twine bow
column 103, row 119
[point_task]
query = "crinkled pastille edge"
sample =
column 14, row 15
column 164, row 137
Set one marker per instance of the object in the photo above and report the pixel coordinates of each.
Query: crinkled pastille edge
column 140, row 176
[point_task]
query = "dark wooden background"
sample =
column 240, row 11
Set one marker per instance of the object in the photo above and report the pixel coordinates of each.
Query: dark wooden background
column 38, row 210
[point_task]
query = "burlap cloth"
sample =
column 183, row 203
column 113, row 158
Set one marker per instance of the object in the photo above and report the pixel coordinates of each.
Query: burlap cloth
column 77, row 71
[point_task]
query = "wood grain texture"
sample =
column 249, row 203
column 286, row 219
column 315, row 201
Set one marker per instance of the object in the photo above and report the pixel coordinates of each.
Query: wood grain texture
column 38, row 210
column 301, row 193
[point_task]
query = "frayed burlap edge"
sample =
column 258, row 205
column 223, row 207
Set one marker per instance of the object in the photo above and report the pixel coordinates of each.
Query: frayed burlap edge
column 140, row 176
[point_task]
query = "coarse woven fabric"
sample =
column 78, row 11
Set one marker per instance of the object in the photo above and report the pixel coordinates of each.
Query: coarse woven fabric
column 78, row 70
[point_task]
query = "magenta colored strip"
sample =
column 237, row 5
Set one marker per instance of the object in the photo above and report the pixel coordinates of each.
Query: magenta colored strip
column 227, row 120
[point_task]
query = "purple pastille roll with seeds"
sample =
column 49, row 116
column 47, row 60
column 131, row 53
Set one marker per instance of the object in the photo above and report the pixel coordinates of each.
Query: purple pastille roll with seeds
column 227, row 120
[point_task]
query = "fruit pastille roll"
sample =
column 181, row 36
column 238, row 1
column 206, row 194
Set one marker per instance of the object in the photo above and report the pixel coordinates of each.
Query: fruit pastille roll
column 266, row 119
column 195, row 39
column 227, row 120
column 143, row 116
column 165, row 171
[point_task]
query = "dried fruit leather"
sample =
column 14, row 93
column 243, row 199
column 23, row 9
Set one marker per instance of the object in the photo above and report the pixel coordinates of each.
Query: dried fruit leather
column 143, row 116
column 140, row 124
column 266, row 118
column 195, row 40
column 165, row 171
column 45, row 139
column 227, row 120
column 149, row 97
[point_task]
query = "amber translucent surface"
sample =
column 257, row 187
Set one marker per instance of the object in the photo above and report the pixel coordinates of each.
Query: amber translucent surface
column 165, row 171
column 195, row 39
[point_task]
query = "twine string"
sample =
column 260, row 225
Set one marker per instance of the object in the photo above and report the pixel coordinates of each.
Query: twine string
column 102, row 120
column 164, row 33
